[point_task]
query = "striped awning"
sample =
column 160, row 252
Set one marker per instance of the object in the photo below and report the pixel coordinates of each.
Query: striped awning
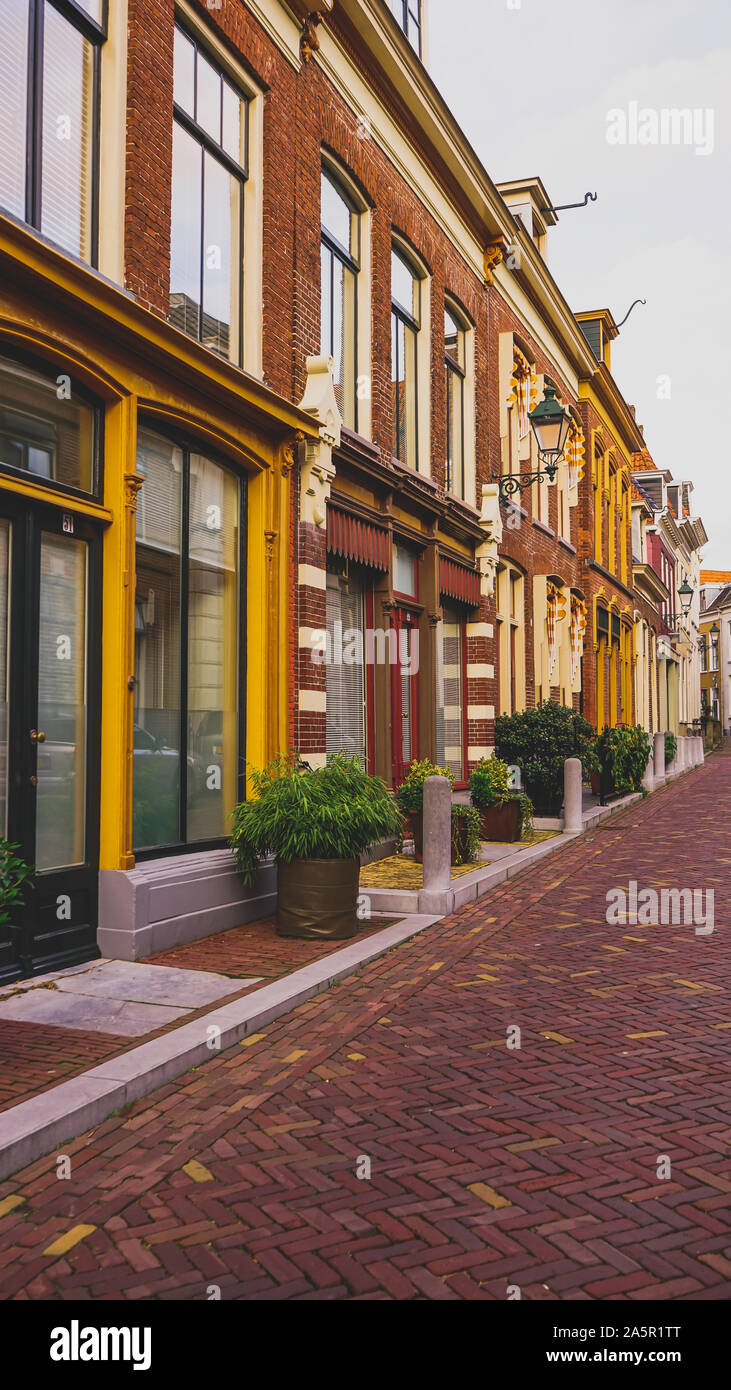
column 356, row 539
column 459, row 581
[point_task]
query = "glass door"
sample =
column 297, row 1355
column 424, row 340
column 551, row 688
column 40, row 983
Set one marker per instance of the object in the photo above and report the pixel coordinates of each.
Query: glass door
column 404, row 694
column 49, row 749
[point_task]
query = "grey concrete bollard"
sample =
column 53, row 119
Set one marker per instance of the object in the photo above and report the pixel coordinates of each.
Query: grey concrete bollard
column 701, row 753
column 648, row 781
column 680, row 761
column 659, row 767
column 572, row 795
column 437, row 846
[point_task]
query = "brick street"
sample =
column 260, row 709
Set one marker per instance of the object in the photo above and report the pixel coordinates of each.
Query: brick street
column 489, row 1166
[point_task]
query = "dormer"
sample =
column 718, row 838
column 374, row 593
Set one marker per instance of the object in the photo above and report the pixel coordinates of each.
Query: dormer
column 530, row 205
column 410, row 15
column 600, row 330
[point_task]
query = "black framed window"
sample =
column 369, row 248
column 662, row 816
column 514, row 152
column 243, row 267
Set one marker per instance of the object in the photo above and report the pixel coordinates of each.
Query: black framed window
column 339, row 265
column 455, row 358
column 48, row 426
column 408, row 14
column 405, row 324
column 49, row 118
column 189, row 606
column 210, row 159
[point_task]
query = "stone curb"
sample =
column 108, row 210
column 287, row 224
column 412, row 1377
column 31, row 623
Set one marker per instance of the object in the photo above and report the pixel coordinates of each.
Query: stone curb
column 35, row 1127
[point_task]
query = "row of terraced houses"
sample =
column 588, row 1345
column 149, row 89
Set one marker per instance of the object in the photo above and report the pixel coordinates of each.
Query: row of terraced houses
column 269, row 336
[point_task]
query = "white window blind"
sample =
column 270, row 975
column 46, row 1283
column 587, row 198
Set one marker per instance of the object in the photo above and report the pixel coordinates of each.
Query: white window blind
column 450, row 694
column 346, row 692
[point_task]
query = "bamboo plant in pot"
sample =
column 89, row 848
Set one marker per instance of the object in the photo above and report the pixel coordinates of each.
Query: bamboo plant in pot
column 506, row 814
column 316, row 823
column 410, row 797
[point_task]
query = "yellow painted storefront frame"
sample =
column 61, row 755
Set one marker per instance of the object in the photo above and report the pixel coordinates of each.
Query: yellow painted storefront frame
column 136, row 365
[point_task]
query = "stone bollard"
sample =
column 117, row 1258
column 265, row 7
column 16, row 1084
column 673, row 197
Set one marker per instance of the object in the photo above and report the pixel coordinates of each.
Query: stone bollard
column 659, row 768
column 701, row 753
column 573, row 820
column 437, row 895
column 648, row 781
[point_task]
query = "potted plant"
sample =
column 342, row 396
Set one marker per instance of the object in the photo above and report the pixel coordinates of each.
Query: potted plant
column 623, row 754
column 410, row 797
column 539, row 741
column 504, row 814
column 316, row 823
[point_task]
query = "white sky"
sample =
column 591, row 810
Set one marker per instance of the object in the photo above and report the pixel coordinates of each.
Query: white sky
column 531, row 83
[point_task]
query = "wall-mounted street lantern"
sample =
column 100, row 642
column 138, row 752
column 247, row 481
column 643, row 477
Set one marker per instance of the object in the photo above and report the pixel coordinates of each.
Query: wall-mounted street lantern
column 685, row 594
column 550, row 423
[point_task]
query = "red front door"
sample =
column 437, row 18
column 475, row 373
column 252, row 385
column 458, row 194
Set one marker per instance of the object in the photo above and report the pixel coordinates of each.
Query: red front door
column 404, row 692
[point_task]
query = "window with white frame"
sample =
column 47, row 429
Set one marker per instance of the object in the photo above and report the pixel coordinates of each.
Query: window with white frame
column 405, row 329
column 207, row 216
column 510, row 622
column 455, row 357
column 49, row 115
column 340, row 266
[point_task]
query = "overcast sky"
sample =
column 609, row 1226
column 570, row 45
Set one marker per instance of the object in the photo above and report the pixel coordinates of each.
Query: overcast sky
column 532, row 82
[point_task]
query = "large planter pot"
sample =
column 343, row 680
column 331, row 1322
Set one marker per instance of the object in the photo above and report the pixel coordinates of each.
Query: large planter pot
column 501, row 822
column 318, row 898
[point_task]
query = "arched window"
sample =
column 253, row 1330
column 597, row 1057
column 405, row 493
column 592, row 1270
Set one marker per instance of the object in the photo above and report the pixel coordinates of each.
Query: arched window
column 340, row 266
column 47, row 426
column 405, row 329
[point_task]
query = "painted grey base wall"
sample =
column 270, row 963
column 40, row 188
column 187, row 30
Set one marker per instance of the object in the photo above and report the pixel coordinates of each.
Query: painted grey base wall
column 169, row 902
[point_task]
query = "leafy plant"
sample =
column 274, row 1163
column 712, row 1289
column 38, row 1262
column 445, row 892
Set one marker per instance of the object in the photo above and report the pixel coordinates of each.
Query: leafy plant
column 14, row 874
column 410, row 795
column 490, row 786
column 623, row 756
column 332, row 812
column 489, row 782
column 671, row 748
column 465, row 834
column 539, row 741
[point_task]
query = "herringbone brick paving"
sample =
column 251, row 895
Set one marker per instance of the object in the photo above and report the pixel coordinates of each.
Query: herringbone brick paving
column 489, row 1166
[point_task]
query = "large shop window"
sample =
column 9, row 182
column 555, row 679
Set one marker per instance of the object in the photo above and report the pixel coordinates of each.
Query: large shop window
column 511, row 638
column 207, row 226
column 450, row 692
column 346, row 727
column 188, row 611
column 46, row 427
column 340, row 263
column 49, row 64
column 405, row 320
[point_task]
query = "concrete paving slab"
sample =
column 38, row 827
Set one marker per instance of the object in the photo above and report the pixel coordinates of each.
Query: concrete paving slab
column 151, row 984
column 56, row 1008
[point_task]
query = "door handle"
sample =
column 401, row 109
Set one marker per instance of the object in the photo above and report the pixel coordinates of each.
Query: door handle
column 33, row 781
column 37, row 736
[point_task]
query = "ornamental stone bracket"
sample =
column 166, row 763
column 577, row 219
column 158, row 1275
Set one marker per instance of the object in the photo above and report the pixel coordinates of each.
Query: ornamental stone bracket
column 317, row 468
column 492, row 528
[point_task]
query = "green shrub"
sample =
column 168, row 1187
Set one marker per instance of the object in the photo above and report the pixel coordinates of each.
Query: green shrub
column 410, row 795
column 465, row 834
column 671, row 748
column 539, row 741
column 332, row 812
column 14, row 874
column 623, row 757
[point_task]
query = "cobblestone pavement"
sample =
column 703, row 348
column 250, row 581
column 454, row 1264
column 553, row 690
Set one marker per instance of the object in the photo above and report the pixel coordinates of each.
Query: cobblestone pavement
column 591, row 1162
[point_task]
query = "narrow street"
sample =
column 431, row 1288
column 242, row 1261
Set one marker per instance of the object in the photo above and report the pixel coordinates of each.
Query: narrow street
column 386, row 1141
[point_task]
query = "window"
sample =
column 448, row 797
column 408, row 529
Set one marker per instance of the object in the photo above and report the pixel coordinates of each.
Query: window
column 408, row 14
column 49, row 82
column 46, row 427
column 346, row 726
column 339, row 265
column 455, row 356
column 511, row 639
column 188, row 606
column 209, row 172
column 450, row 692
column 404, row 571
column 405, row 311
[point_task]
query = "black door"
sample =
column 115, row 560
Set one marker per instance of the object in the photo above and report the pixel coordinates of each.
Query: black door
column 49, row 731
